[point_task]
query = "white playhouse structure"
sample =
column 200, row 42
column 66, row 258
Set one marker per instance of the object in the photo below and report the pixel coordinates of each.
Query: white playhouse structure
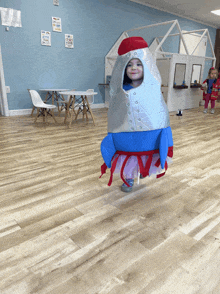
column 182, row 57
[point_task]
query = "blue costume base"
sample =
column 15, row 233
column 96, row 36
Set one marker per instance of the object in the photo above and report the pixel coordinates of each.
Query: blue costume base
column 137, row 142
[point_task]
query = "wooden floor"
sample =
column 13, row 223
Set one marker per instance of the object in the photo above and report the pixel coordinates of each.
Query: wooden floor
column 63, row 230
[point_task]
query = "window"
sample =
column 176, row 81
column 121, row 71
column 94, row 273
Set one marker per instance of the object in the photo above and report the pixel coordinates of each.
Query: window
column 179, row 76
column 196, row 74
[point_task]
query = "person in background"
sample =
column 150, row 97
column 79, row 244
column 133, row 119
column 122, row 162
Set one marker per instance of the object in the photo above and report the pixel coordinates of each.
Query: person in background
column 211, row 87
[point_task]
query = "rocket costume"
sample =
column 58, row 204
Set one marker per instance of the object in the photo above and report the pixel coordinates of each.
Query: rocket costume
column 139, row 135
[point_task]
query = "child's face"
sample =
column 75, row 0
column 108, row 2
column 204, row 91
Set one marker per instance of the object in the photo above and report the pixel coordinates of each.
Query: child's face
column 134, row 69
column 213, row 74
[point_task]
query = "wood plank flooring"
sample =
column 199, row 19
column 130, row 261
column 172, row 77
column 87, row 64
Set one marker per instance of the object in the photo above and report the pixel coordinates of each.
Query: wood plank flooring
column 64, row 231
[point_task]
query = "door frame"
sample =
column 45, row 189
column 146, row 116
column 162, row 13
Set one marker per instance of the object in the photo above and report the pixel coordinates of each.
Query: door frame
column 3, row 95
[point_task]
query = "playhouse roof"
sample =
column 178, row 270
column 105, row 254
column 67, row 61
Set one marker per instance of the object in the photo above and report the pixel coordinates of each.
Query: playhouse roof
column 156, row 47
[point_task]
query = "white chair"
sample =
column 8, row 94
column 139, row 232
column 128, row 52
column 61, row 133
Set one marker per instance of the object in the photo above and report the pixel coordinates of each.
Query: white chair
column 42, row 108
column 90, row 97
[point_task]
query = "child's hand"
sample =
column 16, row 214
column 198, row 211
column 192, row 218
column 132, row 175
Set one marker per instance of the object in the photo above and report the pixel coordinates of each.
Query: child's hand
column 204, row 87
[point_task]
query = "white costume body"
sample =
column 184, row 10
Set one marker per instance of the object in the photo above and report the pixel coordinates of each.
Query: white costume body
column 139, row 109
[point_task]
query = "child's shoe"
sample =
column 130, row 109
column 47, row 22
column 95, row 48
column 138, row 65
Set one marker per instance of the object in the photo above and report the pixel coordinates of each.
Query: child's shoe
column 125, row 188
column 142, row 177
column 205, row 110
column 212, row 110
column 179, row 113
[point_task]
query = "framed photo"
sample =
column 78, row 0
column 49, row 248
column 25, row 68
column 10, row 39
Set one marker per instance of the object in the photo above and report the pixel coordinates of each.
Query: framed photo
column 45, row 38
column 56, row 2
column 69, row 41
column 56, row 24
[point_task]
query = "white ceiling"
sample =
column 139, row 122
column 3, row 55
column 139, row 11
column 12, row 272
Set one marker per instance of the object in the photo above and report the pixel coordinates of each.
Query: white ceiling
column 198, row 10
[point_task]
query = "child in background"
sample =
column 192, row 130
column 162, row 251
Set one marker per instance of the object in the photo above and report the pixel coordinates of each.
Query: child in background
column 210, row 88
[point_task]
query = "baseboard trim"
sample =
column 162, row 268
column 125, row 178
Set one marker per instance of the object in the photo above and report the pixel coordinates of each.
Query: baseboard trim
column 97, row 105
column 21, row 112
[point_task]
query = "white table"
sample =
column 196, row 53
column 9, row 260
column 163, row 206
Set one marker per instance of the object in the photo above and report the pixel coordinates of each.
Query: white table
column 54, row 94
column 82, row 103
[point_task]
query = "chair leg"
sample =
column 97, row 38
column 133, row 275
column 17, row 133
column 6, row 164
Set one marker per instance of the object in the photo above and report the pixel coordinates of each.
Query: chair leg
column 52, row 113
column 32, row 112
column 38, row 110
column 45, row 111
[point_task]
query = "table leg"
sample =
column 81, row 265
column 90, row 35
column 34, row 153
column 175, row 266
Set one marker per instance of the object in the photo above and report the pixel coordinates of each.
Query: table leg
column 53, row 116
column 58, row 106
column 77, row 113
column 53, row 97
column 67, row 109
column 90, row 110
column 45, row 101
column 52, row 111
column 73, row 111
column 62, row 106
column 84, row 107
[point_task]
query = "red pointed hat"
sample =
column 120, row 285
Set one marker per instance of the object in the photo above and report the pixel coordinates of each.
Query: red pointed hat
column 131, row 43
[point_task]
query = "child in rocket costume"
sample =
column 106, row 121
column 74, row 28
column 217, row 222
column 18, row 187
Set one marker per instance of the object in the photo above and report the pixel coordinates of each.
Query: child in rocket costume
column 139, row 135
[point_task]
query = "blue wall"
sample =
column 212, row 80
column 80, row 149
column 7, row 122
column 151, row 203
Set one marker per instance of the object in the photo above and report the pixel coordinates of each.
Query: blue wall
column 95, row 25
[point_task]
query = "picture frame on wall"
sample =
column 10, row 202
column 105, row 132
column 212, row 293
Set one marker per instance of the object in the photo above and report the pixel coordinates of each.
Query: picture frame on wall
column 45, row 38
column 56, row 2
column 69, row 41
column 56, row 24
